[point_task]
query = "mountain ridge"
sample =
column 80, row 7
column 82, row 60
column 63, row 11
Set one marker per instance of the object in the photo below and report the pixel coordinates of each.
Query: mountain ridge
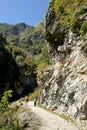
column 25, row 36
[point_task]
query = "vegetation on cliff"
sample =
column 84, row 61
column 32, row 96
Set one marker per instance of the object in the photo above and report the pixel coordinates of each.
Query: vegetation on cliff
column 69, row 12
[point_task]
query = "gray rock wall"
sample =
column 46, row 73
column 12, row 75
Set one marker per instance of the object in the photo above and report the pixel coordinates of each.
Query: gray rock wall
column 64, row 84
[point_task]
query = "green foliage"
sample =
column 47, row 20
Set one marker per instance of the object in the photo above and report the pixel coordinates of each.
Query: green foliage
column 14, row 63
column 13, row 39
column 68, row 10
column 29, row 67
column 40, row 27
column 25, row 36
column 83, row 29
column 41, row 67
column 5, row 100
column 45, row 54
column 8, row 68
column 19, row 62
column 43, row 61
column 8, row 120
column 17, row 51
column 34, row 94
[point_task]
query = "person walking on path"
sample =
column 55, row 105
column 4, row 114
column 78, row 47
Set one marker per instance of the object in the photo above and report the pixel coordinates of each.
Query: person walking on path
column 26, row 100
column 35, row 101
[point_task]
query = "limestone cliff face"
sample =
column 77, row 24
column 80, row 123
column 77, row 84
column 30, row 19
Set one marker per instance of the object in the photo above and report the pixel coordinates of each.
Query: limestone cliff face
column 64, row 84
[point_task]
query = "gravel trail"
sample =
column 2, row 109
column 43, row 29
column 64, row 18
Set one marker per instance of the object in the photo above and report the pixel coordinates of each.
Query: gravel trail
column 51, row 121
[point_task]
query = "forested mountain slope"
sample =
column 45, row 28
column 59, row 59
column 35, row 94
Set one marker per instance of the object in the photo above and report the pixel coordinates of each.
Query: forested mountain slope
column 24, row 36
column 8, row 68
column 17, row 67
column 23, row 57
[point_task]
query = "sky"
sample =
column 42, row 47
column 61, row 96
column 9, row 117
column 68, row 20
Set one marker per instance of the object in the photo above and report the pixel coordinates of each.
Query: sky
column 27, row 11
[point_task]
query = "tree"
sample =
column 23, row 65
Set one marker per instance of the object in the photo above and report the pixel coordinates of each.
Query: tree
column 5, row 100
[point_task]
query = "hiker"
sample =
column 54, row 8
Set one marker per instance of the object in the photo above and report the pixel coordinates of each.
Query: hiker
column 26, row 100
column 35, row 101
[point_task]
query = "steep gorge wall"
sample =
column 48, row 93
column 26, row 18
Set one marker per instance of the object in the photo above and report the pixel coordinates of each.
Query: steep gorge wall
column 16, row 75
column 64, row 83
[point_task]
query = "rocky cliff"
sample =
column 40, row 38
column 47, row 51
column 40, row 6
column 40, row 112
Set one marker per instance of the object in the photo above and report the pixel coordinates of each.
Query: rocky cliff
column 64, row 83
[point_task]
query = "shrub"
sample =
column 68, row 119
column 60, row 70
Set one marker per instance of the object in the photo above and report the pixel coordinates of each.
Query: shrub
column 8, row 120
column 34, row 94
column 65, row 8
column 83, row 29
column 5, row 100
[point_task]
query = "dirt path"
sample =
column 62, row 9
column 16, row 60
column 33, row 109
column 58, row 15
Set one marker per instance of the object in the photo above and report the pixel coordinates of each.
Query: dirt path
column 51, row 121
